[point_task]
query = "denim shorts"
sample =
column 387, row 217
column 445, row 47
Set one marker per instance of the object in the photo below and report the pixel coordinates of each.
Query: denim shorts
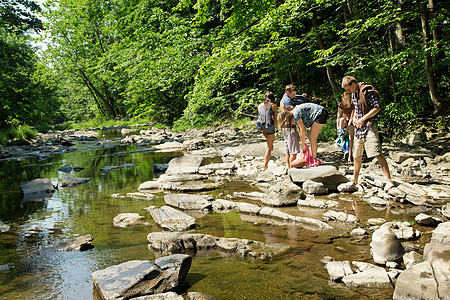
column 269, row 129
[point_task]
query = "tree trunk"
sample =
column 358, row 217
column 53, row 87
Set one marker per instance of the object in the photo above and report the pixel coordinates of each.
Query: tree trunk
column 432, row 85
column 400, row 37
column 330, row 73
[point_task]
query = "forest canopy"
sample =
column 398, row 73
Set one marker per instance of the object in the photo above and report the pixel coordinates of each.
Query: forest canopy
column 192, row 63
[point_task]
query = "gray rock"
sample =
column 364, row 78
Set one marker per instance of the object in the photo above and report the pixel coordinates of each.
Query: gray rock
column 145, row 196
column 150, row 186
column 199, row 296
column 358, row 232
column 313, row 187
column 110, row 168
column 81, row 243
column 412, row 258
column 406, row 233
column 160, row 168
column 338, row 269
column 127, row 219
column 184, row 164
column 266, row 176
column 182, row 242
column 221, row 204
column 416, row 200
column 247, row 207
column 207, row 169
column 66, row 168
column 189, row 186
column 4, row 227
column 172, row 219
column 385, row 245
column 169, row 147
column 36, row 186
column 347, row 187
column 441, row 235
column 419, row 282
column 331, row 179
column 332, row 215
column 189, row 201
column 73, row 181
column 400, row 157
column 373, row 278
column 142, row 277
column 375, row 201
column 427, row 220
column 376, row 221
column 282, row 193
column 301, row 175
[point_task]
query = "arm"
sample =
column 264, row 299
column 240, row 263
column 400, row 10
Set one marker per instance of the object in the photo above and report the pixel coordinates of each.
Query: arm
column 282, row 106
column 359, row 123
column 275, row 113
column 339, row 113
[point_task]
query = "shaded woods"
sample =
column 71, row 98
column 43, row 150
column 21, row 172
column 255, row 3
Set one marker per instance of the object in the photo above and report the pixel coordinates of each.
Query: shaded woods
column 188, row 63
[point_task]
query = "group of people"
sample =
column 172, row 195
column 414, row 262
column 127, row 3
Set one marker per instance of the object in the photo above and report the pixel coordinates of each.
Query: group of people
column 356, row 117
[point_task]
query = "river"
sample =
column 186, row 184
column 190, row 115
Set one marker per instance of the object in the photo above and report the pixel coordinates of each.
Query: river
column 31, row 270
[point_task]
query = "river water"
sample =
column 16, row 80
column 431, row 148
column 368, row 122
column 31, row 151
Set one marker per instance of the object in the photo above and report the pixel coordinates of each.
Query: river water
column 29, row 269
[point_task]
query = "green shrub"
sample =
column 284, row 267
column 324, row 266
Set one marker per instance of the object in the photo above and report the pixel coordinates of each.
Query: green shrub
column 25, row 132
column 328, row 132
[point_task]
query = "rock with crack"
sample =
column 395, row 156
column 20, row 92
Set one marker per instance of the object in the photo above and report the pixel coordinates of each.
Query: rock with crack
column 172, row 219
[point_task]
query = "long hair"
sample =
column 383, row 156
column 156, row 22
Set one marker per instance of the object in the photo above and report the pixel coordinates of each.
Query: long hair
column 344, row 104
column 285, row 117
column 269, row 99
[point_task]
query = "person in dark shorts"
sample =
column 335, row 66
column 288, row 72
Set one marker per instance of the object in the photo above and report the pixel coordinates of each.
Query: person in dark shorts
column 267, row 122
column 313, row 116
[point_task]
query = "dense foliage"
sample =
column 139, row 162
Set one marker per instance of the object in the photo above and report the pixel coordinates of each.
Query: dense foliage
column 192, row 63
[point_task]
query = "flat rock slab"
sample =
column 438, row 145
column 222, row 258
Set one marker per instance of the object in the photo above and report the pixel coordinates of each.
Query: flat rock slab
column 400, row 157
column 172, row 219
column 373, row 278
column 190, row 186
column 189, row 201
column 128, row 219
column 184, row 164
column 81, row 243
column 109, row 168
column 169, row 147
column 142, row 277
column 299, row 175
column 173, row 242
column 73, row 181
column 36, row 186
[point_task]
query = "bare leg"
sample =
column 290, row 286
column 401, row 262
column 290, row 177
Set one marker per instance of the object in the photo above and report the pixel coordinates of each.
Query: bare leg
column 288, row 161
column 351, row 137
column 292, row 158
column 313, row 134
column 387, row 174
column 357, row 161
column 270, row 139
column 298, row 163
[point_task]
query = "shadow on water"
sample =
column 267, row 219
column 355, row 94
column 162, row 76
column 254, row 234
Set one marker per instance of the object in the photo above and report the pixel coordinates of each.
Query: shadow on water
column 35, row 271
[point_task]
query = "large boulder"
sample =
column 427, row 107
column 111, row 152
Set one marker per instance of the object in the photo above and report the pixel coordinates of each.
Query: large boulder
column 282, row 193
column 172, row 219
column 385, row 246
column 142, row 277
column 313, row 187
column 431, row 277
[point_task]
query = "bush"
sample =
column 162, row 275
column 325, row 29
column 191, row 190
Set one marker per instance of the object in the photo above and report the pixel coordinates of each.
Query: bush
column 328, row 132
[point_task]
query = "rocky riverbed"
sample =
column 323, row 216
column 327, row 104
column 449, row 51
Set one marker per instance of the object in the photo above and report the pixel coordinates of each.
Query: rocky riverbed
column 400, row 250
